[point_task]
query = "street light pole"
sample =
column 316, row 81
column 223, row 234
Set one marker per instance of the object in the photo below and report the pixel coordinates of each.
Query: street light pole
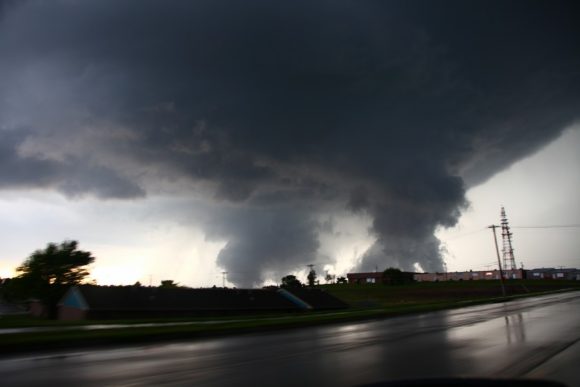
column 493, row 227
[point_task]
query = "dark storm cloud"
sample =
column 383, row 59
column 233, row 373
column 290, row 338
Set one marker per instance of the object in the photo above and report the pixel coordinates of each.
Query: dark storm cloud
column 390, row 108
column 71, row 176
column 22, row 171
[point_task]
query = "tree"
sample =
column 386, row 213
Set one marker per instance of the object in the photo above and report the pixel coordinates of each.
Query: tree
column 168, row 284
column 290, row 281
column 396, row 276
column 329, row 278
column 341, row 280
column 47, row 274
column 10, row 290
column 311, row 278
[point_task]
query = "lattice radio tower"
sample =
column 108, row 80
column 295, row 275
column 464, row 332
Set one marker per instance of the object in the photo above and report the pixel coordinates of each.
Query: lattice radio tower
column 509, row 262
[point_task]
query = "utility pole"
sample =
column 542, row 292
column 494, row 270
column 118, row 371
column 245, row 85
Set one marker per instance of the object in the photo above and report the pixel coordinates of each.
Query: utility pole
column 509, row 262
column 493, row 227
column 224, row 273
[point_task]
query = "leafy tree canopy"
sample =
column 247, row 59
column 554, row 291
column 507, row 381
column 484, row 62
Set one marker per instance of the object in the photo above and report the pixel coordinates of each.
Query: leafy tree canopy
column 395, row 276
column 168, row 284
column 392, row 271
column 48, row 273
column 290, row 281
column 56, row 265
column 311, row 278
column 329, row 278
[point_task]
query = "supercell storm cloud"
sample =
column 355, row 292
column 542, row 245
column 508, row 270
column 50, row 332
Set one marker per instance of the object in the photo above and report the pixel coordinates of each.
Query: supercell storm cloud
column 280, row 112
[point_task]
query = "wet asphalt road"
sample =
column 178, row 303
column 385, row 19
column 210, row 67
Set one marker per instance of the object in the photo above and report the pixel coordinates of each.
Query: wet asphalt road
column 534, row 338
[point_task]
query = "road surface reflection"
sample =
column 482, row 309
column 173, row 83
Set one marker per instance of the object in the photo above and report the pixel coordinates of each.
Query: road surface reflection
column 527, row 338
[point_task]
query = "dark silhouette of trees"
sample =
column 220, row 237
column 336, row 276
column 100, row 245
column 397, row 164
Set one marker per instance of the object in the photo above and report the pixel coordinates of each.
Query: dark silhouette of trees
column 168, row 284
column 395, row 276
column 47, row 274
column 311, row 278
column 290, row 281
column 329, row 278
column 341, row 280
column 10, row 290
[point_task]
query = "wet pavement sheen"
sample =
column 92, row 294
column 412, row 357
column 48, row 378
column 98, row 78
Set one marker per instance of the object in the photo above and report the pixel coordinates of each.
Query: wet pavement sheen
column 534, row 338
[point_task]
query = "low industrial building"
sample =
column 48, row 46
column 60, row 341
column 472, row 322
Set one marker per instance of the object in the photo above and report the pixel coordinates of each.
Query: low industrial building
column 556, row 274
column 383, row 277
column 469, row 275
column 365, row 278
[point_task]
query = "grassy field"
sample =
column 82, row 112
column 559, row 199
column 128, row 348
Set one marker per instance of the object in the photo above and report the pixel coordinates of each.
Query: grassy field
column 367, row 301
column 384, row 296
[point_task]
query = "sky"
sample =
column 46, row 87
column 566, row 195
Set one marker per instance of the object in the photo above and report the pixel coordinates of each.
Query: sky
column 180, row 140
column 537, row 192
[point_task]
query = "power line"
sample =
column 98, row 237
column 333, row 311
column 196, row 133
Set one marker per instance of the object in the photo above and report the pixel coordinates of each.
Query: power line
column 520, row 227
column 466, row 234
column 551, row 226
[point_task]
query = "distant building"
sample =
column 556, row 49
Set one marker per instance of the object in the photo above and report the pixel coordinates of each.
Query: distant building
column 556, row 274
column 380, row 278
column 469, row 275
column 365, row 278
